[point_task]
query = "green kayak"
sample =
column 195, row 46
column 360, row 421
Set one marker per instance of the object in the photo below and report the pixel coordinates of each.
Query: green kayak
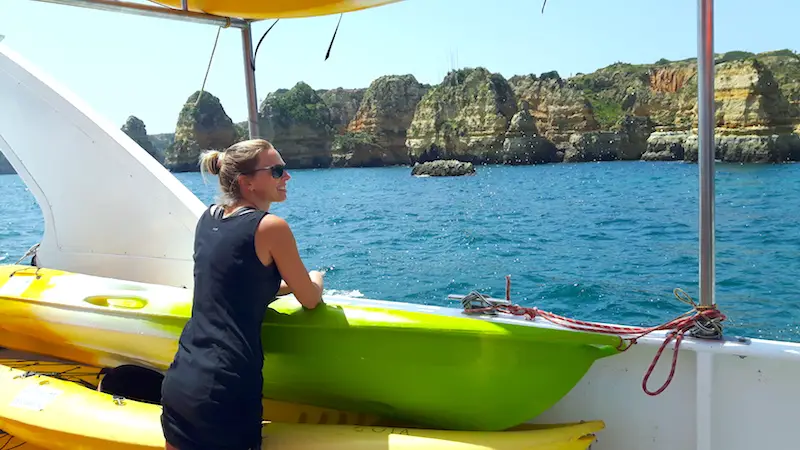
column 429, row 366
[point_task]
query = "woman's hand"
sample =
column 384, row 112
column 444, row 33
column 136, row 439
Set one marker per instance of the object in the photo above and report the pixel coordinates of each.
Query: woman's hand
column 315, row 276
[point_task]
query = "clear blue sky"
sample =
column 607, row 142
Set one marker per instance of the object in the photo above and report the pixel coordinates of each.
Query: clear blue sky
column 129, row 65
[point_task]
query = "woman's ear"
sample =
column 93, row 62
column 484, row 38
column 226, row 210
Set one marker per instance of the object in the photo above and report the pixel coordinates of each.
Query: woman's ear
column 248, row 185
column 244, row 183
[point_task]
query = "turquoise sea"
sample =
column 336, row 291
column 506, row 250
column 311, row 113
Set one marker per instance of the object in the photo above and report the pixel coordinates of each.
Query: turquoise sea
column 599, row 241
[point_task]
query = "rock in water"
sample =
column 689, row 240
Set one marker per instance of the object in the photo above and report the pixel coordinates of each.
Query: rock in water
column 135, row 129
column 443, row 168
column 204, row 126
column 298, row 123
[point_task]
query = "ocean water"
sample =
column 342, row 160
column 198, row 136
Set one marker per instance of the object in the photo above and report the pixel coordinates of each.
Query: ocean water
column 598, row 241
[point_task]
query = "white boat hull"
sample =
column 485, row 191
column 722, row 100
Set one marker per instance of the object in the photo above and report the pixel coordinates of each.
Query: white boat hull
column 735, row 394
column 727, row 396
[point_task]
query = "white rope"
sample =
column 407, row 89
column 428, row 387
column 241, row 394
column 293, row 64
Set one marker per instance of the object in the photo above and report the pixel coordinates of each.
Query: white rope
column 208, row 69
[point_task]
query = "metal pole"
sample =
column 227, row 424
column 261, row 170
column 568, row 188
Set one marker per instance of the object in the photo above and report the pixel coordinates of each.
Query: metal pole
column 706, row 147
column 152, row 11
column 250, row 82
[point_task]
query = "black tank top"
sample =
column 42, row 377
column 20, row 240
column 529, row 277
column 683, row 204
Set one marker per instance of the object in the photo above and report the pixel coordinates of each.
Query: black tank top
column 215, row 380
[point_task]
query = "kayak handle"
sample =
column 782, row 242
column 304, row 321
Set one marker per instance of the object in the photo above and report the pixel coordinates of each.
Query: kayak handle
column 117, row 302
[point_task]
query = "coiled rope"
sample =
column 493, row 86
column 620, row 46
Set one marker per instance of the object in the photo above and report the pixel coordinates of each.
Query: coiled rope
column 700, row 321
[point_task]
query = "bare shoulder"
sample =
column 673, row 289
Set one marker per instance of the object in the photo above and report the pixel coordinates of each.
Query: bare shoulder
column 272, row 223
column 273, row 236
column 274, row 231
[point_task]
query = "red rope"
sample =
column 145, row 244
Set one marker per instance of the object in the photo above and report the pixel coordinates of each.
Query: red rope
column 678, row 326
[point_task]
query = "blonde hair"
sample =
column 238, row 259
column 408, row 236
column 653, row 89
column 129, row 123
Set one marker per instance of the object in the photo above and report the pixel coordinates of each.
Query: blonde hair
column 240, row 158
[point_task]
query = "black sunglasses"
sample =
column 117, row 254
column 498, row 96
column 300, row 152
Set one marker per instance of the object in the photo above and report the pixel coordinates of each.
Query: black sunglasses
column 276, row 170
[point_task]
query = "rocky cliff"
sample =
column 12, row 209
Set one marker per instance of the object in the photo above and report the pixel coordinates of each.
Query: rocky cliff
column 756, row 117
column 343, row 105
column 559, row 110
column 468, row 117
column 161, row 141
column 376, row 136
column 649, row 111
column 136, row 130
column 619, row 112
column 298, row 123
column 202, row 125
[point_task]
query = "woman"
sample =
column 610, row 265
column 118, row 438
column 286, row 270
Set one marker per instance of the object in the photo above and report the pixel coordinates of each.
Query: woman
column 211, row 393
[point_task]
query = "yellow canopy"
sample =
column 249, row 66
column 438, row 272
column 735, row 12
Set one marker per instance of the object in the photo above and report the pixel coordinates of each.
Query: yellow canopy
column 274, row 9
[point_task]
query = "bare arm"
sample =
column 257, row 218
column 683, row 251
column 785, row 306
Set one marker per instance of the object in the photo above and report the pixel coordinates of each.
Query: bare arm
column 276, row 238
column 284, row 289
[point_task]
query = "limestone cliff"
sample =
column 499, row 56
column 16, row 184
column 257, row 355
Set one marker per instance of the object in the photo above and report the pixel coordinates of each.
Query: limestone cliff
column 343, row 105
column 467, row 117
column 619, row 112
column 161, row 141
column 605, row 115
column 559, row 110
column 755, row 117
column 649, row 111
column 524, row 145
column 136, row 130
column 785, row 67
column 298, row 123
column 202, row 125
column 376, row 136
column 635, row 90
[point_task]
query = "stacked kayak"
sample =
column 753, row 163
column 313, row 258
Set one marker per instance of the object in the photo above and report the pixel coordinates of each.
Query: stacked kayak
column 427, row 366
column 48, row 412
column 91, row 377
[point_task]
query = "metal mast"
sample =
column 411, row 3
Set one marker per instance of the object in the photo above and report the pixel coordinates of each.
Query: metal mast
column 706, row 147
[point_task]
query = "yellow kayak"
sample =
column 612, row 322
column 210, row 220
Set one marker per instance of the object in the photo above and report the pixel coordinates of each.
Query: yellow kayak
column 91, row 377
column 42, row 411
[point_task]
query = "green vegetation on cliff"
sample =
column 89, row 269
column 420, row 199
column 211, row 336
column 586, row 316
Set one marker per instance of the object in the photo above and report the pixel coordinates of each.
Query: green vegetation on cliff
column 202, row 125
column 343, row 105
column 612, row 90
column 358, row 149
column 135, row 129
column 350, row 140
column 381, row 122
column 465, row 117
column 298, row 122
column 622, row 111
column 299, row 105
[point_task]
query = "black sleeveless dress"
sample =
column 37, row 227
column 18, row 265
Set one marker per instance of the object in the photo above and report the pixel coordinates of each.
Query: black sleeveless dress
column 211, row 394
